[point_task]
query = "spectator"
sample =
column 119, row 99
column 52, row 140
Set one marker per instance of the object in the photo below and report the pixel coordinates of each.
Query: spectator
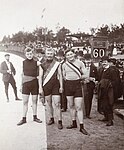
column 8, row 71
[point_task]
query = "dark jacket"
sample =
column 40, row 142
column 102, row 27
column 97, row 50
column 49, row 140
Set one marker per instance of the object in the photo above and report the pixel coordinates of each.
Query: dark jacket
column 105, row 91
column 3, row 70
column 118, row 83
column 93, row 74
column 93, row 71
column 112, row 75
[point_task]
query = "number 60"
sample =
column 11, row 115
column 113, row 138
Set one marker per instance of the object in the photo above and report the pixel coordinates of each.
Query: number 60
column 98, row 53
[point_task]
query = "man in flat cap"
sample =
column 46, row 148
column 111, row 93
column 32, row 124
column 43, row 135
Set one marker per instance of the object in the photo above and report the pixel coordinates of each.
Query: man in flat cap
column 8, row 71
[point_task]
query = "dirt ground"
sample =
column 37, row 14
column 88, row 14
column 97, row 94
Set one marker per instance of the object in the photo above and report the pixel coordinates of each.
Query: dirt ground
column 101, row 137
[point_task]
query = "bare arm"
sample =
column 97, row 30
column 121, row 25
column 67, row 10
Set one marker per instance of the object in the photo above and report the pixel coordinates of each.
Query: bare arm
column 40, row 80
column 60, row 78
column 83, row 70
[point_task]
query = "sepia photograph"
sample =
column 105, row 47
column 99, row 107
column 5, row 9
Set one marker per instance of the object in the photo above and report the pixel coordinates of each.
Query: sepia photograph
column 61, row 74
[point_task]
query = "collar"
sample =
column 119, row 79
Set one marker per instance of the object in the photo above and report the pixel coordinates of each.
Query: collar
column 8, row 62
column 107, row 67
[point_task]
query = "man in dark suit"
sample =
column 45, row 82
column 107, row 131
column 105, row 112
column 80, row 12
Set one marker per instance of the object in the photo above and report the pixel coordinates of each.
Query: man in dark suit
column 89, row 83
column 108, row 79
column 8, row 71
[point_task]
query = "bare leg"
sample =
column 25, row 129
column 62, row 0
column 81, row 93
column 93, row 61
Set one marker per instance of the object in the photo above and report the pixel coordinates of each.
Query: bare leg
column 56, row 100
column 49, row 105
column 71, row 107
column 25, row 104
column 78, row 105
column 34, row 107
column 25, row 109
column 34, row 104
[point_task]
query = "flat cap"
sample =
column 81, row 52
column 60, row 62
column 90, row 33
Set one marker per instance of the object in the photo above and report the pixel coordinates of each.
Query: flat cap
column 7, row 55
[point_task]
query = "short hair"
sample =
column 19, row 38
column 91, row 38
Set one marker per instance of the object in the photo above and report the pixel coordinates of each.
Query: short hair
column 28, row 49
column 50, row 49
column 69, row 50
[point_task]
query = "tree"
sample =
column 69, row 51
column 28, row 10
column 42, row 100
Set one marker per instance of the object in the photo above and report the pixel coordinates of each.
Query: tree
column 6, row 39
column 50, row 36
column 93, row 31
column 103, row 31
column 61, row 35
column 117, row 33
column 18, row 37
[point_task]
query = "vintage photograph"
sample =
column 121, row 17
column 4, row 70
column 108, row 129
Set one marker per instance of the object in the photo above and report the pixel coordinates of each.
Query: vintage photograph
column 61, row 74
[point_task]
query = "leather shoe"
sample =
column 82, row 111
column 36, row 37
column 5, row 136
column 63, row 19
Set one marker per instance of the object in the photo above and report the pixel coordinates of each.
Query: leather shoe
column 21, row 122
column 84, row 131
column 37, row 120
column 63, row 110
column 88, row 117
column 110, row 123
column 50, row 122
column 60, row 126
column 71, row 126
column 18, row 99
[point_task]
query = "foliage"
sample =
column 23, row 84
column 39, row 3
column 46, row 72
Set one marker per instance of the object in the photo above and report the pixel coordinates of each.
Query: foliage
column 115, row 33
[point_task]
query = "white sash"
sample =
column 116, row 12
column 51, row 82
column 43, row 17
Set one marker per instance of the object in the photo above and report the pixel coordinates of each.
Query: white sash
column 50, row 74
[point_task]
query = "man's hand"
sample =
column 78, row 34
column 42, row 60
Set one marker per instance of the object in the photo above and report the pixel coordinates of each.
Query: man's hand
column 38, row 63
column 20, row 89
column 42, row 99
column 61, row 90
column 92, row 79
column 86, row 80
column 8, row 71
column 41, row 92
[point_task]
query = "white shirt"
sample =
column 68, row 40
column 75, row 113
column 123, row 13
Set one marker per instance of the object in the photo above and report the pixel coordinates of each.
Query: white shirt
column 87, row 71
column 8, row 65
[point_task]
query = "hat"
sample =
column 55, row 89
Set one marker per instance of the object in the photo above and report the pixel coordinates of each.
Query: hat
column 80, row 53
column 87, row 56
column 39, row 50
column 113, row 60
column 7, row 55
column 60, row 53
column 105, row 58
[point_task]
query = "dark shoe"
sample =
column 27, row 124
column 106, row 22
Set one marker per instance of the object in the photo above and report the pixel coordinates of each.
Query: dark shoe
column 51, row 121
column 21, row 122
column 60, row 126
column 71, row 126
column 88, row 117
column 110, row 123
column 84, row 131
column 18, row 99
column 63, row 110
column 103, row 120
column 37, row 120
